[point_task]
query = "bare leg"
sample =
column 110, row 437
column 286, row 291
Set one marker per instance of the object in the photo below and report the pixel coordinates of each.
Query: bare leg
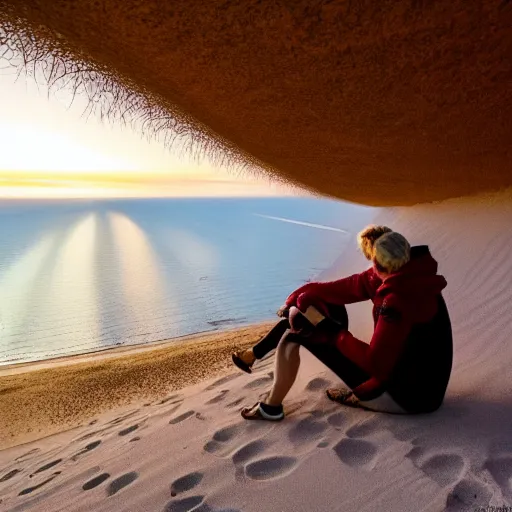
column 268, row 343
column 286, row 369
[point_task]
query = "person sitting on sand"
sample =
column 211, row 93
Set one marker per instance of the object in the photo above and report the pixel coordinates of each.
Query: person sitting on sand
column 406, row 366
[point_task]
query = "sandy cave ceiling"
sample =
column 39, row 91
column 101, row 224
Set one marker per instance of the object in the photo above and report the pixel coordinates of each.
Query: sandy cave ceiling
column 384, row 103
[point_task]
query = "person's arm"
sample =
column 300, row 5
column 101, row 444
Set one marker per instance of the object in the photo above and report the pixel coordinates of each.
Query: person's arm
column 355, row 288
column 380, row 357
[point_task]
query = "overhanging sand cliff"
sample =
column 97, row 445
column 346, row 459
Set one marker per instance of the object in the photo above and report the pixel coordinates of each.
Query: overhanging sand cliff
column 385, row 103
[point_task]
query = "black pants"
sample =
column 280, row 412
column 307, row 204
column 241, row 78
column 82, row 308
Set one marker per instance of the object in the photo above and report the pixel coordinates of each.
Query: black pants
column 328, row 354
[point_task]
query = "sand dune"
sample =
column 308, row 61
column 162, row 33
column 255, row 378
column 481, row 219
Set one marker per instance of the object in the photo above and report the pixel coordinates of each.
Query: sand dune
column 192, row 451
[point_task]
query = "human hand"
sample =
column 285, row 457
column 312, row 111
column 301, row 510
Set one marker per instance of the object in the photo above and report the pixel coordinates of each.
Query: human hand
column 292, row 298
column 283, row 311
column 299, row 324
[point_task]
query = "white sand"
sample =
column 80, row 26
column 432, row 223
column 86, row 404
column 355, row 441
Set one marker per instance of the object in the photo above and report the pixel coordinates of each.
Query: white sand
column 322, row 457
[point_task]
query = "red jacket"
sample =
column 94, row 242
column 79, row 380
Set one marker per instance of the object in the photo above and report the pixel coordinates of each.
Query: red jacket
column 404, row 304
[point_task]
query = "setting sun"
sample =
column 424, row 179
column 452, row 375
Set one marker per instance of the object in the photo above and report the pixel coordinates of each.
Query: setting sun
column 51, row 149
column 27, row 147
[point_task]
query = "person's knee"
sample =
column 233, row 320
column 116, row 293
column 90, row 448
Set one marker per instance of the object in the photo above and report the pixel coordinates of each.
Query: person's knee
column 306, row 300
column 299, row 324
column 316, row 310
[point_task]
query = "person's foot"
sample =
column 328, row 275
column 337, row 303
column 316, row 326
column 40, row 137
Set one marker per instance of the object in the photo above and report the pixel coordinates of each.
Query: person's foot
column 342, row 396
column 244, row 359
column 262, row 411
column 247, row 356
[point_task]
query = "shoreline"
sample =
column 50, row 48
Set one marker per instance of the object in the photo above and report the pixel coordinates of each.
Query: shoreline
column 43, row 398
column 13, row 368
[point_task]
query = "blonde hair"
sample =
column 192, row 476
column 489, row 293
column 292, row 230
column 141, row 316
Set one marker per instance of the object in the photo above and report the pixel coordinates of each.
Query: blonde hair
column 366, row 239
column 391, row 251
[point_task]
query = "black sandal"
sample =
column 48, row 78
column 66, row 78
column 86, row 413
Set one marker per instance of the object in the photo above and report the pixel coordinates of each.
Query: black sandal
column 237, row 360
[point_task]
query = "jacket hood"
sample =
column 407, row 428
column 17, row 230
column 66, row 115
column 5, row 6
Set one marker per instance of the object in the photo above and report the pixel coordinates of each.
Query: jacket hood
column 417, row 280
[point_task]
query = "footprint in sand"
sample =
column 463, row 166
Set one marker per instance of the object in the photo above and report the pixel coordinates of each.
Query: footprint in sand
column 364, row 429
column 87, row 448
column 218, row 398
column 355, row 452
column 181, row 417
column 185, row 505
column 98, row 480
column 468, row 494
column 444, row 468
column 306, row 431
column 212, row 447
column 270, row 468
column 337, row 420
column 120, row 483
column 29, row 490
column 186, row 483
column 133, row 439
column 227, row 433
column 317, row 384
column 46, row 466
column 248, row 452
column 257, row 383
column 501, row 470
column 92, row 446
column 221, row 437
column 128, row 430
column 416, row 454
column 26, row 455
column 323, row 444
column 10, row 475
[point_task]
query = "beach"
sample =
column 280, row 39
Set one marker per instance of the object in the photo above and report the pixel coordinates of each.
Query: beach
column 39, row 399
column 160, row 430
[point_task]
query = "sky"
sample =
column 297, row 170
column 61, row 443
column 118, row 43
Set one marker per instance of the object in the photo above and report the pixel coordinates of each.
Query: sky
column 49, row 148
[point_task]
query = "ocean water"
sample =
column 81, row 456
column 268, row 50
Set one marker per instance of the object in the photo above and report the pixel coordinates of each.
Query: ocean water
column 82, row 276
